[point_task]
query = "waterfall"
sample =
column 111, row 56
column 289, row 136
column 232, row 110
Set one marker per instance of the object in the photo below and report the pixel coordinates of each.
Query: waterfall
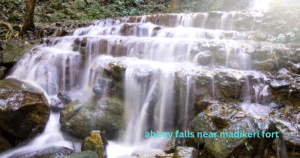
column 158, row 52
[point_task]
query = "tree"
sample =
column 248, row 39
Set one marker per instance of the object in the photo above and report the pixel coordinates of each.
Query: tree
column 29, row 23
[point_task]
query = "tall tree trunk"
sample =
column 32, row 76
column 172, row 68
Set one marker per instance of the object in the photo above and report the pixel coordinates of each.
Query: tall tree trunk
column 28, row 24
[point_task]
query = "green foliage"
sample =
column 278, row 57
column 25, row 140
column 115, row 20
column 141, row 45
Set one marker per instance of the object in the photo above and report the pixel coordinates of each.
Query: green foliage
column 189, row 6
column 97, row 9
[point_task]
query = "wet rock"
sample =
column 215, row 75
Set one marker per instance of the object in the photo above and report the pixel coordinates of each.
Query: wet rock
column 267, row 65
column 77, row 41
column 83, row 42
column 146, row 153
column 171, row 145
column 83, row 154
column 4, row 144
column 56, row 105
column 52, row 152
column 98, row 90
column 289, row 131
column 276, row 106
column 220, row 56
column 96, row 143
column 24, row 111
column 201, row 123
column 2, row 72
column 63, row 33
column 296, row 68
column 204, row 57
column 115, row 71
column 262, row 53
column 279, row 84
column 231, row 146
column 187, row 152
column 64, row 98
column 127, row 30
column 79, row 118
column 156, row 30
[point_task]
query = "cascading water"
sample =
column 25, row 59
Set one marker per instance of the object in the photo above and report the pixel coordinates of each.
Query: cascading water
column 157, row 51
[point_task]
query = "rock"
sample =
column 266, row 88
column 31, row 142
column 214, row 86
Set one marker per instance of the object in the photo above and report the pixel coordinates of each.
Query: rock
column 13, row 52
column 220, row 56
column 127, row 29
column 146, row 153
column 99, row 88
column 186, row 152
column 96, row 143
column 56, row 105
column 51, row 152
column 233, row 146
column 204, row 57
column 289, row 131
column 2, row 72
column 276, row 106
column 79, row 118
column 4, row 144
column 296, row 68
column 279, row 84
column 64, row 98
column 83, row 154
column 171, row 145
column 98, row 91
column 63, row 33
column 58, row 24
column 83, row 42
column 77, row 41
column 267, row 65
column 201, row 123
column 24, row 111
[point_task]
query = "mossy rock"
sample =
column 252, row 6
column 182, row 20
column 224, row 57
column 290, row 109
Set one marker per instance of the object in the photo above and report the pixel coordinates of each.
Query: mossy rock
column 79, row 118
column 24, row 111
column 94, row 143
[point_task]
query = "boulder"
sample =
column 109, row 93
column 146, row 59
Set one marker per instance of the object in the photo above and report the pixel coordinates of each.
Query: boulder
column 24, row 111
column 279, row 84
column 51, row 152
column 201, row 123
column 105, row 114
column 231, row 141
column 96, row 143
column 289, row 131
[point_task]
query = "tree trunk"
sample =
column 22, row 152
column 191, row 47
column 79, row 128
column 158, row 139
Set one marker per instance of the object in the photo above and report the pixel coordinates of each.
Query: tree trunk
column 28, row 24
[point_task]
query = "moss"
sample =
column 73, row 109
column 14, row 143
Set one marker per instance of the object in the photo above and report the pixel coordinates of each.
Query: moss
column 14, row 51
